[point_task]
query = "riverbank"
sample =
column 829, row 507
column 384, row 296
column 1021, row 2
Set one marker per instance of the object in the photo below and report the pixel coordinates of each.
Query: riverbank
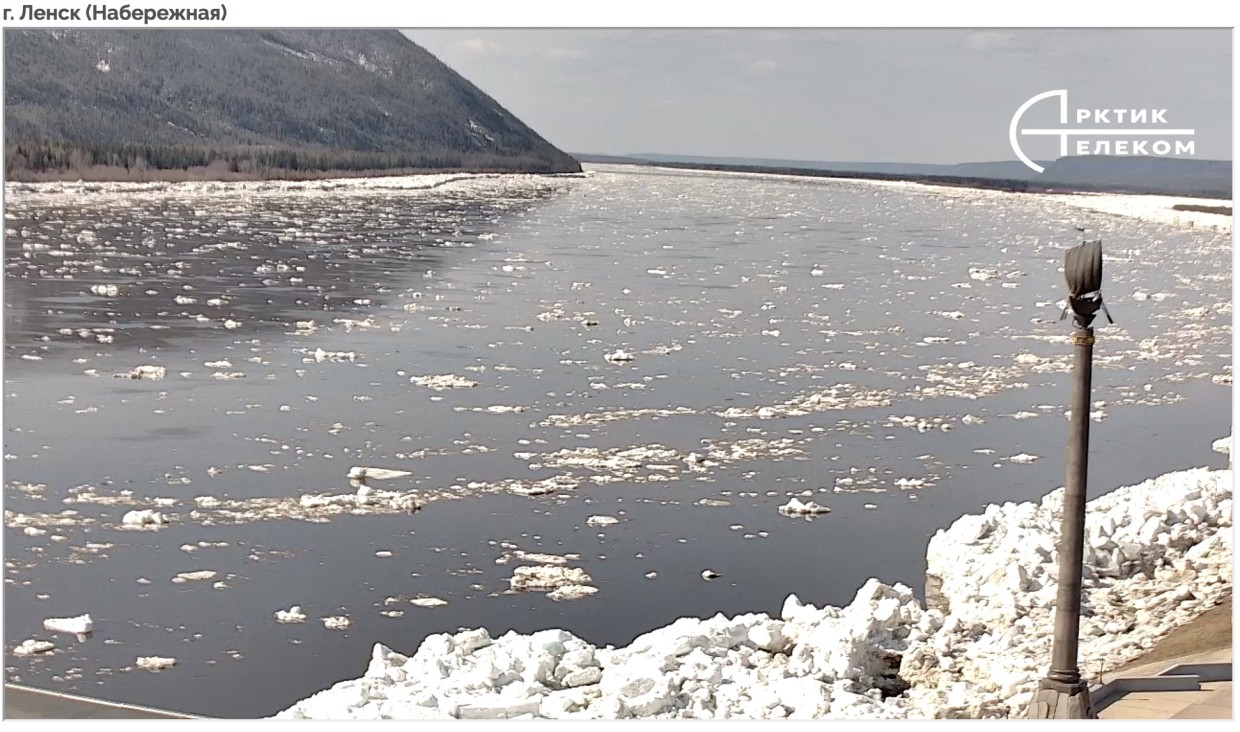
column 1158, row 556
column 221, row 174
column 1211, row 631
column 1216, row 193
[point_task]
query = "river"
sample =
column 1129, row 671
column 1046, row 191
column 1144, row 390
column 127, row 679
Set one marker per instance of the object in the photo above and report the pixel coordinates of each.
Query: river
column 680, row 351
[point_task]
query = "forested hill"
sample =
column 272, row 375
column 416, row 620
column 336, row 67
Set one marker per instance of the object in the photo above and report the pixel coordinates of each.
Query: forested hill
column 249, row 103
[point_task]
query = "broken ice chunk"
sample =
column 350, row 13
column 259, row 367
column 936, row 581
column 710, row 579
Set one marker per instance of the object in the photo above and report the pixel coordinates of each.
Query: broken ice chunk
column 153, row 373
column 292, row 615
column 796, row 508
column 155, row 663
column 80, row 625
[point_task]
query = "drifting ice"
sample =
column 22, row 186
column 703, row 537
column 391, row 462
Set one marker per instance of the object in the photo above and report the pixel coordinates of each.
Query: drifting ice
column 155, row 663
column 32, row 647
column 292, row 615
column 362, row 474
column 546, row 577
column 795, row 508
column 1157, row 554
column 154, row 373
column 144, row 518
column 80, row 625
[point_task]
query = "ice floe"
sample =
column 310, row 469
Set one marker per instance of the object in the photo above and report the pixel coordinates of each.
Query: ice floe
column 79, row 625
column 292, row 615
column 619, row 356
column 444, row 381
column 155, row 663
column 318, row 355
column 201, row 575
column 1158, row 554
column 144, row 518
column 795, row 507
column 360, row 475
column 32, row 647
column 151, row 373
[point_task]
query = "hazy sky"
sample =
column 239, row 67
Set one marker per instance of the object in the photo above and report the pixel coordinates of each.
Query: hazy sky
column 886, row 95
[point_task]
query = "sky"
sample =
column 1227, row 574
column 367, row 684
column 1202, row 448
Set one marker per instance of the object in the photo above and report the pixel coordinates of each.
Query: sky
column 853, row 95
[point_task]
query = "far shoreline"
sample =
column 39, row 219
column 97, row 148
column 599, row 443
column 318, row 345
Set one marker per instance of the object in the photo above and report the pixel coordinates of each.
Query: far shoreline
column 975, row 183
column 213, row 174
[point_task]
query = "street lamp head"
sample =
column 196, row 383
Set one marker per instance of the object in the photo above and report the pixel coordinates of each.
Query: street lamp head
column 1083, row 270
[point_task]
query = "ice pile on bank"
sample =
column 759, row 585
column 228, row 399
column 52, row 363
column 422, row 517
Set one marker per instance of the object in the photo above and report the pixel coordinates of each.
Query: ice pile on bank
column 808, row 663
column 1158, row 554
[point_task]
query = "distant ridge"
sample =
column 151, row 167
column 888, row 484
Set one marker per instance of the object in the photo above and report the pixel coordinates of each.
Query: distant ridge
column 250, row 103
column 1101, row 173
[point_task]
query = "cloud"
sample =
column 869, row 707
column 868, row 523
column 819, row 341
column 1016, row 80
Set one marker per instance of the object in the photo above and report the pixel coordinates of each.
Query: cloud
column 557, row 53
column 480, row 46
column 996, row 40
column 763, row 64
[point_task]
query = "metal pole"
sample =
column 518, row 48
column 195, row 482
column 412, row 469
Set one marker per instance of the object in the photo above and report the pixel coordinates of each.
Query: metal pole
column 1062, row 695
column 1072, row 540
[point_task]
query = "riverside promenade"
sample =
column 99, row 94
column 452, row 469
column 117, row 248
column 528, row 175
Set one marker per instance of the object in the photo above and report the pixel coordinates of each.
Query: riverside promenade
column 25, row 702
column 1205, row 640
column 1212, row 701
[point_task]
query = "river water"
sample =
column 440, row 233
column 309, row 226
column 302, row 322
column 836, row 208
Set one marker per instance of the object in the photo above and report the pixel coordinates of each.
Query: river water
column 884, row 350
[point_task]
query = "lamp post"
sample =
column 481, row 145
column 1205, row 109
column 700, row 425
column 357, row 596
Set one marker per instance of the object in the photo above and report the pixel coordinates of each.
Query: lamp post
column 1062, row 694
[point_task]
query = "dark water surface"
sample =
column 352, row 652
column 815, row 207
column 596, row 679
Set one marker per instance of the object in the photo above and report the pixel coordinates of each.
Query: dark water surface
column 821, row 313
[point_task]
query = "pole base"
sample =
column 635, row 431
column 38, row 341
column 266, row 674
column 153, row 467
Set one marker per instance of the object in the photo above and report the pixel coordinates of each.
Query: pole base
column 1057, row 700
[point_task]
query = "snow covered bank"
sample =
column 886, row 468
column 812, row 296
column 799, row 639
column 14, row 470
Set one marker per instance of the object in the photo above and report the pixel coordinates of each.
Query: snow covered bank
column 1158, row 554
column 1153, row 208
column 330, row 186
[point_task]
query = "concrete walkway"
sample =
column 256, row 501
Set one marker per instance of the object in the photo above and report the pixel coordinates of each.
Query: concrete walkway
column 1213, row 701
column 26, row 702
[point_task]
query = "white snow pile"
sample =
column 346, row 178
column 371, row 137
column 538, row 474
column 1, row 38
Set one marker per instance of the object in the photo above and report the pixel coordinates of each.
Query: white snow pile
column 1223, row 445
column 79, row 625
column 804, row 665
column 1158, row 554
